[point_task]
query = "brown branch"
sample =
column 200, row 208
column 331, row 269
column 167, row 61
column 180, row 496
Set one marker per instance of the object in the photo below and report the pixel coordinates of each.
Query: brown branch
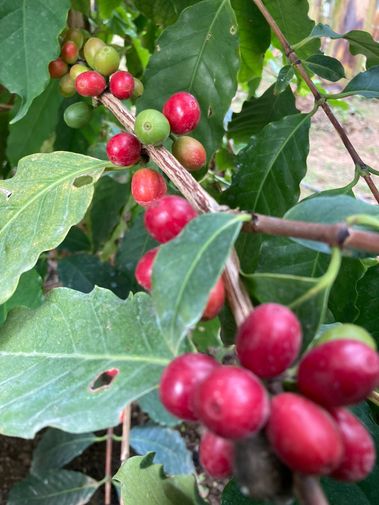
column 108, row 467
column 338, row 234
column 294, row 59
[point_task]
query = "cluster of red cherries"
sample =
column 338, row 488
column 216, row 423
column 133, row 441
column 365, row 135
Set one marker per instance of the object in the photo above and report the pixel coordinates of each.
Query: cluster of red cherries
column 309, row 430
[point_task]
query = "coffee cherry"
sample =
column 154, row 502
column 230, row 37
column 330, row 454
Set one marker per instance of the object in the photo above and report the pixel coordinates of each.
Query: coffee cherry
column 303, row 435
column 77, row 115
column 77, row 69
column 69, row 52
column 151, row 127
column 166, row 218
column 183, row 112
column 269, row 340
column 144, row 269
column 106, row 60
column 121, row 85
column 91, row 47
column 124, row 149
column 340, row 372
column 350, row 332
column 67, row 86
column 90, row 83
column 216, row 455
column 359, row 449
column 179, row 381
column 147, row 186
column 58, row 68
column 190, row 153
column 215, row 301
column 138, row 88
column 232, row 402
column 76, row 36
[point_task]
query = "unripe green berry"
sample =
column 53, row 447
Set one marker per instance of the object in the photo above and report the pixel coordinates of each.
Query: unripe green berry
column 75, row 35
column 138, row 88
column 347, row 332
column 91, row 47
column 107, row 60
column 77, row 69
column 67, row 86
column 151, row 127
column 77, row 115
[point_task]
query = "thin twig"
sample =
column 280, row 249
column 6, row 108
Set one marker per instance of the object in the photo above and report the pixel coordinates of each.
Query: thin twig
column 125, row 446
column 108, row 467
column 294, row 59
column 308, row 490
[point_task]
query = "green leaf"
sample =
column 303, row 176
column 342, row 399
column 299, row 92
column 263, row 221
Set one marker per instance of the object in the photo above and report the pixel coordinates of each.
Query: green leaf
column 257, row 113
column 152, row 405
column 233, row 496
column 163, row 12
column 106, row 7
column 168, row 446
column 76, row 241
column 271, row 167
column 207, row 335
column 108, row 201
column 27, row 136
column 365, row 84
column 57, row 448
column 255, row 38
column 4, row 132
column 61, row 487
column 186, row 269
column 368, row 302
column 57, row 351
column 28, row 294
column 83, row 272
column 284, row 78
column 143, row 482
column 28, row 42
column 326, row 67
column 48, row 194
column 188, row 59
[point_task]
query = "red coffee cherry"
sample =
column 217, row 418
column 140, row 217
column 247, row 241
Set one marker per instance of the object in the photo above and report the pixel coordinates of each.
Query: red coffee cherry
column 215, row 301
column 166, row 218
column 90, row 83
column 216, row 455
column 183, row 112
column 303, row 435
column 359, row 449
column 147, row 186
column 179, row 381
column 123, row 149
column 269, row 340
column 232, row 402
column 69, row 52
column 58, row 68
column 339, row 372
column 190, row 153
column 144, row 269
column 121, row 85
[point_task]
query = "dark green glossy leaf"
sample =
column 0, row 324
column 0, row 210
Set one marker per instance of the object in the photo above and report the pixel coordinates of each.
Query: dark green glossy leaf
column 256, row 113
column 284, row 78
column 271, row 167
column 152, row 405
column 233, row 496
column 364, row 84
column 75, row 241
column 163, row 12
column 4, row 132
column 207, row 335
column 188, row 59
column 326, row 67
column 106, row 7
column 186, row 269
column 368, row 302
column 248, row 246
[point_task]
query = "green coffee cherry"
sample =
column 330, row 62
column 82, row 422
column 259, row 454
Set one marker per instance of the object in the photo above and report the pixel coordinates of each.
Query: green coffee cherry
column 67, row 86
column 347, row 331
column 138, row 88
column 151, row 127
column 75, row 35
column 107, row 60
column 77, row 69
column 77, row 115
column 91, row 47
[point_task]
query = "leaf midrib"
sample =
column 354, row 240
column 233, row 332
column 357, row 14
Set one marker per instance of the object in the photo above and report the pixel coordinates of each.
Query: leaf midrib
column 87, row 357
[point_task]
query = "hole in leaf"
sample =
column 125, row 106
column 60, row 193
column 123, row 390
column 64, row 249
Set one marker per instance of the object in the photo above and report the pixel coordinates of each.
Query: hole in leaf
column 210, row 111
column 104, row 380
column 83, row 180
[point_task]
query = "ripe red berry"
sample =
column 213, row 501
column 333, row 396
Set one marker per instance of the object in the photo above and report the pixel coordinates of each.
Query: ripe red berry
column 90, row 83
column 58, row 68
column 190, row 153
column 359, row 449
column 183, row 112
column 232, row 402
column 180, row 380
column 304, row 435
column 121, row 84
column 269, row 340
column 123, row 149
column 339, row 372
column 144, row 269
column 166, row 218
column 216, row 455
column 215, row 301
column 69, row 52
column 147, row 186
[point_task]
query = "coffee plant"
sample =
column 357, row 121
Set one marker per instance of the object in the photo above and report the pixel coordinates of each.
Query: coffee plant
column 156, row 255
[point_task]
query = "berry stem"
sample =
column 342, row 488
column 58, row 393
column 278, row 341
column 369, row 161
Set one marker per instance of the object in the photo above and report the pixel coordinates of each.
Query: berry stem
column 108, row 467
column 126, row 419
column 308, row 490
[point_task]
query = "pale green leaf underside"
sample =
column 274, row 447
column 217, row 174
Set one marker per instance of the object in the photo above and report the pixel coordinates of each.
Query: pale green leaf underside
column 50, row 357
column 38, row 206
